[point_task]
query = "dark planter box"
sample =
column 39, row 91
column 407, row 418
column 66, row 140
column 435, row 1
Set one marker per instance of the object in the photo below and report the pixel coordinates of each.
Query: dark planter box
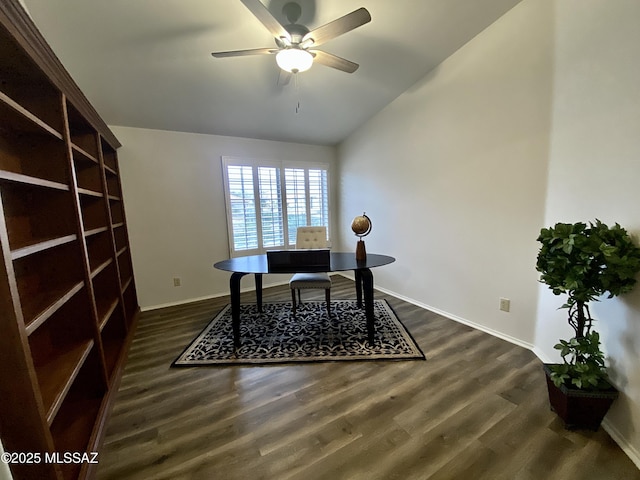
column 579, row 409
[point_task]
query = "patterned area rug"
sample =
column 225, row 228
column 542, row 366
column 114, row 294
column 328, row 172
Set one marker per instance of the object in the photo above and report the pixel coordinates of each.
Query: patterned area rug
column 275, row 336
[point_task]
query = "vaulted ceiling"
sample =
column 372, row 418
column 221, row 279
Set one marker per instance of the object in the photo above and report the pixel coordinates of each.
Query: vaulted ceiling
column 148, row 63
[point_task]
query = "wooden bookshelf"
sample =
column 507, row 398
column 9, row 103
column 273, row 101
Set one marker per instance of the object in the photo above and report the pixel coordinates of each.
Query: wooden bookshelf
column 67, row 292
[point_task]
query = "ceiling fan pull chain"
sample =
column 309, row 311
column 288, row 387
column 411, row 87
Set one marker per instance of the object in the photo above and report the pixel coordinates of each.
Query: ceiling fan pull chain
column 296, row 86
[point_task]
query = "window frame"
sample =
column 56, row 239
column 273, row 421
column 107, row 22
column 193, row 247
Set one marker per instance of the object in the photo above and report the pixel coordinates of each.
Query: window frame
column 281, row 166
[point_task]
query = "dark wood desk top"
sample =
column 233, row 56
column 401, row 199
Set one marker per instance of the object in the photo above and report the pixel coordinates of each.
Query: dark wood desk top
column 340, row 261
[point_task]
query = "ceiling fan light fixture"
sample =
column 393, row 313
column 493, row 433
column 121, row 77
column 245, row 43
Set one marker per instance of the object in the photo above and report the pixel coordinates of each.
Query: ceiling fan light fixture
column 294, row 60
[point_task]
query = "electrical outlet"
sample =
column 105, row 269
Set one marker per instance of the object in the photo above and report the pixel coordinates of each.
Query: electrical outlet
column 505, row 304
column 176, row 281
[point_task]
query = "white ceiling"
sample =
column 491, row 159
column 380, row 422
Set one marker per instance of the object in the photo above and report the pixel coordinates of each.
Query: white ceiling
column 147, row 63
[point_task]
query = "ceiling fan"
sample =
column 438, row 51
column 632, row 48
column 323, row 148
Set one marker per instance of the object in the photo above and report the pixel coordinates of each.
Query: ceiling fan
column 295, row 50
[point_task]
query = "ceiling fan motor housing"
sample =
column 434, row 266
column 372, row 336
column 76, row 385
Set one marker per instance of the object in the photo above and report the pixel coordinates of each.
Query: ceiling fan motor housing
column 296, row 31
column 292, row 11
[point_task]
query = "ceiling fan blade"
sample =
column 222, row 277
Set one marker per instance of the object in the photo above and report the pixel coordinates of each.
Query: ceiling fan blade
column 333, row 61
column 342, row 25
column 261, row 13
column 244, row 53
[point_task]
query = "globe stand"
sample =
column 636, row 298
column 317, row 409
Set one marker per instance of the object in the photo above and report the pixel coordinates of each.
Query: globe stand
column 361, row 251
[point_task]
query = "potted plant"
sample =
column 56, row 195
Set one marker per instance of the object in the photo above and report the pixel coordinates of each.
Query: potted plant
column 584, row 262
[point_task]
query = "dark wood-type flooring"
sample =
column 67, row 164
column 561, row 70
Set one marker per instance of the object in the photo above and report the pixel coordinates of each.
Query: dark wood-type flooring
column 476, row 409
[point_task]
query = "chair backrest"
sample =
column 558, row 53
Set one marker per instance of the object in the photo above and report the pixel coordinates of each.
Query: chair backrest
column 311, row 237
column 293, row 261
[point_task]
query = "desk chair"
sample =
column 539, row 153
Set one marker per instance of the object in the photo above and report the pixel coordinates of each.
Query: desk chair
column 311, row 238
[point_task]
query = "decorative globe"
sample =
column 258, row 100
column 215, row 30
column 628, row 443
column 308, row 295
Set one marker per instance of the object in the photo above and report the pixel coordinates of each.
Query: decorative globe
column 361, row 225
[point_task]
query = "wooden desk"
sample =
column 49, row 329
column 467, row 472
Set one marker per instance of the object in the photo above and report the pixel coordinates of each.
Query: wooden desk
column 340, row 262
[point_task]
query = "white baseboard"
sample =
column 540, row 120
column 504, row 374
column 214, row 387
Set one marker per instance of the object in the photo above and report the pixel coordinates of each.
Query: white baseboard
column 622, row 442
column 181, row 302
column 544, row 358
column 455, row 318
column 208, row 297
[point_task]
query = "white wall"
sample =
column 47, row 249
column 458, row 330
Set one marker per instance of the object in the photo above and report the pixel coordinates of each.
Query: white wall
column 595, row 173
column 174, row 202
column 534, row 121
column 5, row 473
column 453, row 176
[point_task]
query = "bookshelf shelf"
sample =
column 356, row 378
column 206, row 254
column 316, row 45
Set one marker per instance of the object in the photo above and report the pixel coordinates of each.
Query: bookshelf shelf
column 66, row 280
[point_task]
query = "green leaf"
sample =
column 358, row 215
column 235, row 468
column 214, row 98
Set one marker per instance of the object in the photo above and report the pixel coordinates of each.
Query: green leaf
column 586, row 262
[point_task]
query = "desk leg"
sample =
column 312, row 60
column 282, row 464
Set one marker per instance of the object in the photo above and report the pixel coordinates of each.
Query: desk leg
column 358, row 275
column 367, row 284
column 258, row 277
column 234, row 285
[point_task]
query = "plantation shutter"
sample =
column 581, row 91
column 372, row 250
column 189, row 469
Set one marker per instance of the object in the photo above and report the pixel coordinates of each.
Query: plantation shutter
column 271, row 207
column 242, row 203
column 318, row 198
column 266, row 203
column 296, row 201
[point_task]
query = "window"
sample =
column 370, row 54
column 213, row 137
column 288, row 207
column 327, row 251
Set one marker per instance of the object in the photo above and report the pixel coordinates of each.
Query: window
column 268, row 201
